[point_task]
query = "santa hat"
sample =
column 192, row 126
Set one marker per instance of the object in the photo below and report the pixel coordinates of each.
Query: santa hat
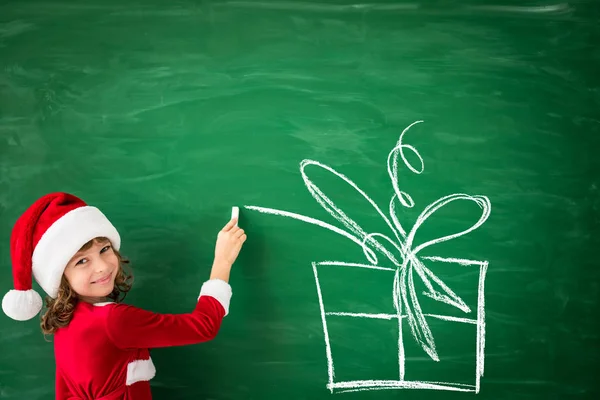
column 43, row 240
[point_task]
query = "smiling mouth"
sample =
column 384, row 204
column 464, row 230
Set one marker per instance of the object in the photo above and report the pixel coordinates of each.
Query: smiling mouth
column 103, row 280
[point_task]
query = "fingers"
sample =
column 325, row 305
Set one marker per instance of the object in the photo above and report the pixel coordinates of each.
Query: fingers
column 229, row 225
column 238, row 234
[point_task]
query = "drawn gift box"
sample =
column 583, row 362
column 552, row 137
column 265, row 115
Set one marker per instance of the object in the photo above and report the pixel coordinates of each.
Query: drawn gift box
column 364, row 362
column 417, row 292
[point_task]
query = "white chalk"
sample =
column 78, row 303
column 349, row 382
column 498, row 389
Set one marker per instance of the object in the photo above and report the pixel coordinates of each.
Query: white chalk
column 235, row 213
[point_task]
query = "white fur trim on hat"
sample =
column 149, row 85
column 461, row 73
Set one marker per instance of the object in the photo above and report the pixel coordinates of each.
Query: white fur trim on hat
column 21, row 305
column 220, row 290
column 63, row 239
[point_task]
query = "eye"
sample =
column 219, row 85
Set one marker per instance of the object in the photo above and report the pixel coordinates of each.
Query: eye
column 105, row 249
column 80, row 262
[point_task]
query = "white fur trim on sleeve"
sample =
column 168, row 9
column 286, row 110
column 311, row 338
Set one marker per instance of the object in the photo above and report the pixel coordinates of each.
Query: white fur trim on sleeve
column 220, row 290
column 140, row 370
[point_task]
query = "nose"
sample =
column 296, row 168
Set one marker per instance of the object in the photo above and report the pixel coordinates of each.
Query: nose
column 101, row 265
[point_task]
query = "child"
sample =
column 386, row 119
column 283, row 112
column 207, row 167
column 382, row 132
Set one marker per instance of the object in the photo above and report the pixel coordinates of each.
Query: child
column 100, row 345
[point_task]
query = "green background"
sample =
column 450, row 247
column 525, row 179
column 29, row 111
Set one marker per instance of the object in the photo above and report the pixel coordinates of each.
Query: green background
column 166, row 114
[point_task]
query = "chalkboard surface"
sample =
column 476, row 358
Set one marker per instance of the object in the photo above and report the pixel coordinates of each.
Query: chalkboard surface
column 419, row 182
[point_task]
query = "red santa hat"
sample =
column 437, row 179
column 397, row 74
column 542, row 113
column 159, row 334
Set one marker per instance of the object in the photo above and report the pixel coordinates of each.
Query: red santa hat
column 43, row 240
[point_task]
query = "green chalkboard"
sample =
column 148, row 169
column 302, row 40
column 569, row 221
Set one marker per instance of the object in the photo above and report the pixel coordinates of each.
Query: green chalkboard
column 353, row 137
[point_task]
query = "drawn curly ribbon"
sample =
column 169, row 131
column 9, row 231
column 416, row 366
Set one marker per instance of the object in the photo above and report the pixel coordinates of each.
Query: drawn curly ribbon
column 405, row 296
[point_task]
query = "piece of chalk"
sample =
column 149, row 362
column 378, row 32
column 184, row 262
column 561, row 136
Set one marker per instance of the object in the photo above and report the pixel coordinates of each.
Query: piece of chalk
column 235, row 212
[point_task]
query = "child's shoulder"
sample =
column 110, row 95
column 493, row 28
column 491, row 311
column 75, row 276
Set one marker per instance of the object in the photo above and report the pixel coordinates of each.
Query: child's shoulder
column 112, row 309
column 101, row 313
column 88, row 315
column 96, row 310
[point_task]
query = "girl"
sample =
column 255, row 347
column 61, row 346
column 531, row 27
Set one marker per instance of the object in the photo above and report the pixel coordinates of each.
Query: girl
column 102, row 346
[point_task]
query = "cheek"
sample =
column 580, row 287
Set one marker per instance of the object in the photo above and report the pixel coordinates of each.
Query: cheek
column 114, row 260
column 78, row 279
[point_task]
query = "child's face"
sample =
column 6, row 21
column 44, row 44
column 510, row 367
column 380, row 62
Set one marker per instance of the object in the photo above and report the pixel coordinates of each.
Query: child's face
column 91, row 273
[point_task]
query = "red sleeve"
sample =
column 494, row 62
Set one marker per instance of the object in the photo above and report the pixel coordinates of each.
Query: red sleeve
column 61, row 390
column 132, row 327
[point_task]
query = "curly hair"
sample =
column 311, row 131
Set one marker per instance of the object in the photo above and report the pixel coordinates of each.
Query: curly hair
column 59, row 311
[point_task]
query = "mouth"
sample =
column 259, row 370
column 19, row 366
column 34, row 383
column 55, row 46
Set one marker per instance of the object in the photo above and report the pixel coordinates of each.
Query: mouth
column 105, row 279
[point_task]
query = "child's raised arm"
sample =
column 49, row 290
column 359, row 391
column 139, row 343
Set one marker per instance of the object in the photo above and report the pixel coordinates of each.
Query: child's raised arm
column 229, row 242
column 132, row 327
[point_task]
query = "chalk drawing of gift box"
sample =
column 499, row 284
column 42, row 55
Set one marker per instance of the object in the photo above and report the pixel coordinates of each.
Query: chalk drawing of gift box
column 410, row 270
column 421, row 333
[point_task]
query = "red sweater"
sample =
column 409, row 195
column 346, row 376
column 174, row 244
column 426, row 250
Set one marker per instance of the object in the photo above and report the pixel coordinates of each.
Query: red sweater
column 103, row 353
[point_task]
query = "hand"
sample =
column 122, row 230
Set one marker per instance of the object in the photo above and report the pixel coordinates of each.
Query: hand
column 229, row 243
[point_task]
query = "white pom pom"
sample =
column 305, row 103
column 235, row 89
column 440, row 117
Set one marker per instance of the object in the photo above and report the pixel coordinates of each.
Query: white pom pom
column 22, row 305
